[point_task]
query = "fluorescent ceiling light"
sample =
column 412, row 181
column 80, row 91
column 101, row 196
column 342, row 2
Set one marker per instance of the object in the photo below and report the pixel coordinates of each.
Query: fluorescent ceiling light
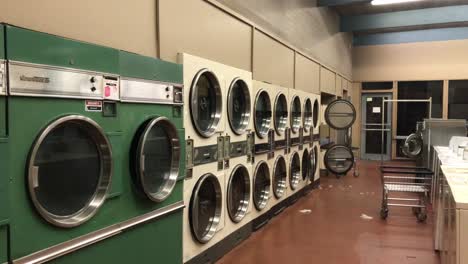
column 387, row 2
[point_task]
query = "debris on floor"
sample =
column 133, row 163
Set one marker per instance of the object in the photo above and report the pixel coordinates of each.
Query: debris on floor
column 366, row 217
column 305, row 211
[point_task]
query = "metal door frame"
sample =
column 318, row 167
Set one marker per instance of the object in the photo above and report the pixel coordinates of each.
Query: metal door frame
column 376, row 127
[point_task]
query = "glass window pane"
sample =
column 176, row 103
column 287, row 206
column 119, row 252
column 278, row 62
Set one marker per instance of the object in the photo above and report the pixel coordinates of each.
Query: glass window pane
column 69, row 168
column 458, row 99
column 411, row 112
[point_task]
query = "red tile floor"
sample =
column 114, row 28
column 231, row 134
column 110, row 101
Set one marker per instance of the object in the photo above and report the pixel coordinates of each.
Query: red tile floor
column 335, row 232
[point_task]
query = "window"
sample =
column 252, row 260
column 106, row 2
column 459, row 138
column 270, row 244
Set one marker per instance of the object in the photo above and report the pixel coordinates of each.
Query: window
column 377, row 85
column 458, row 99
column 411, row 112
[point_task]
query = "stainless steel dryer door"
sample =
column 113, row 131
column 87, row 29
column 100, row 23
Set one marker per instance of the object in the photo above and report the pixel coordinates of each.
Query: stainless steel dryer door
column 69, row 170
column 279, row 177
column 281, row 114
column 238, row 193
column 262, row 117
column 316, row 113
column 308, row 116
column 157, row 158
column 205, row 208
column 239, row 106
column 296, row 114
column 294, row 171
column 205, row 103
column 262, row 184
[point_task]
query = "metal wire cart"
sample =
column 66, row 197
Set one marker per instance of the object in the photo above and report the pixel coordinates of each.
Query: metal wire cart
column 405, row 186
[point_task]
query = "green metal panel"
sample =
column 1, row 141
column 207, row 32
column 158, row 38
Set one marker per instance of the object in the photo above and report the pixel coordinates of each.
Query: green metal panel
column 3, row 244
column 155, row 242
column 141, row 67
column 36, row 47
column 2, row 41
column 3, row 119
column 25, row 222
column 4, row 181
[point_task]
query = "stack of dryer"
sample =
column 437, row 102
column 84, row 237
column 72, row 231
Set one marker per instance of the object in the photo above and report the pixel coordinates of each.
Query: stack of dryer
column 316, row 103
column 4, row 176
column 219, row 182
column 280, row 134
column 263, row 153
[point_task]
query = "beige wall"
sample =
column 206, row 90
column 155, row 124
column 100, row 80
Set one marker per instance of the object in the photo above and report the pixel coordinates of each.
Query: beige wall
column 314, row 31
column 439, row 60
column 265, row 37
column 272, row 61
column 199, row 28
column 307, row 75
column 120, row 24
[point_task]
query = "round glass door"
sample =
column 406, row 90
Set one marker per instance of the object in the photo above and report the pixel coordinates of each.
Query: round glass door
column 205, row 208
column 295, row 171
column 316, row 113
column 296, row 114
column 413, row 145
column 279, row 174
column 262, row 183
column 157, row 159
column 262, row 114
column 307, row 121
column 205, row 103
column 339, row 159
column 305, row 165
column 316, row 155
column 70, row 170
column 340, row 114
column 313, row 164
column 281, row 114
column 238, row 193
column 239, row 106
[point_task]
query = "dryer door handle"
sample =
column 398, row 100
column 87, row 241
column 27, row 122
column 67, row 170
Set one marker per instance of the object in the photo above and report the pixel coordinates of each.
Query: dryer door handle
column 35, row 176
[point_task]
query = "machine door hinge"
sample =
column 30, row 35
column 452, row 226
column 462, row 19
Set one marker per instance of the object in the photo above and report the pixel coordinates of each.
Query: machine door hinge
column 189, row 158
column 220, row 152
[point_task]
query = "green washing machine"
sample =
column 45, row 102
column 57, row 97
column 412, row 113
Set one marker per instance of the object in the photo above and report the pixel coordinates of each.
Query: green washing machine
column 65, row 189
column 4, row 176
column 154, row 167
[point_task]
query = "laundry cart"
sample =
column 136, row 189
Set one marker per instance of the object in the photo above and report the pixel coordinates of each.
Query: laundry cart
column 405, row 186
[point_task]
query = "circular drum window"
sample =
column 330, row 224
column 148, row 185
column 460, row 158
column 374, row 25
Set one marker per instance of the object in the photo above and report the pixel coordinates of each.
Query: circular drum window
column 313, row 164
column 281, row 114
column 279, row 181
column 316, row 155
column 157, row 159
column 205, row 103
column 296, row 114
column 70, row 169
column 340, row 114
column 262, row 183
column 316, row 113
column 307, row 122
column 295, row 171
column 305, row 165
column 239, row 106
column 205, row 208
column 339, row 159
column 262, row 114
column 238, row 193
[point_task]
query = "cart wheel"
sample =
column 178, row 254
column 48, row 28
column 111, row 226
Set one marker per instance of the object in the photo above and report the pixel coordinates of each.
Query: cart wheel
column 422, row 217
column 416, row 210
column 384, row 213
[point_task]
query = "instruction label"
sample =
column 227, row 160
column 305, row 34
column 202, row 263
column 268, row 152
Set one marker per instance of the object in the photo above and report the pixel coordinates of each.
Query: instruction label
column 375, row 109
column 93, row 106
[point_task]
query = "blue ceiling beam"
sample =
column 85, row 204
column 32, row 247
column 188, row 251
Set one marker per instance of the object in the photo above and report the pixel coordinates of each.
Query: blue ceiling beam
column 405, row 19
column 340, row 2
column 438, row 34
